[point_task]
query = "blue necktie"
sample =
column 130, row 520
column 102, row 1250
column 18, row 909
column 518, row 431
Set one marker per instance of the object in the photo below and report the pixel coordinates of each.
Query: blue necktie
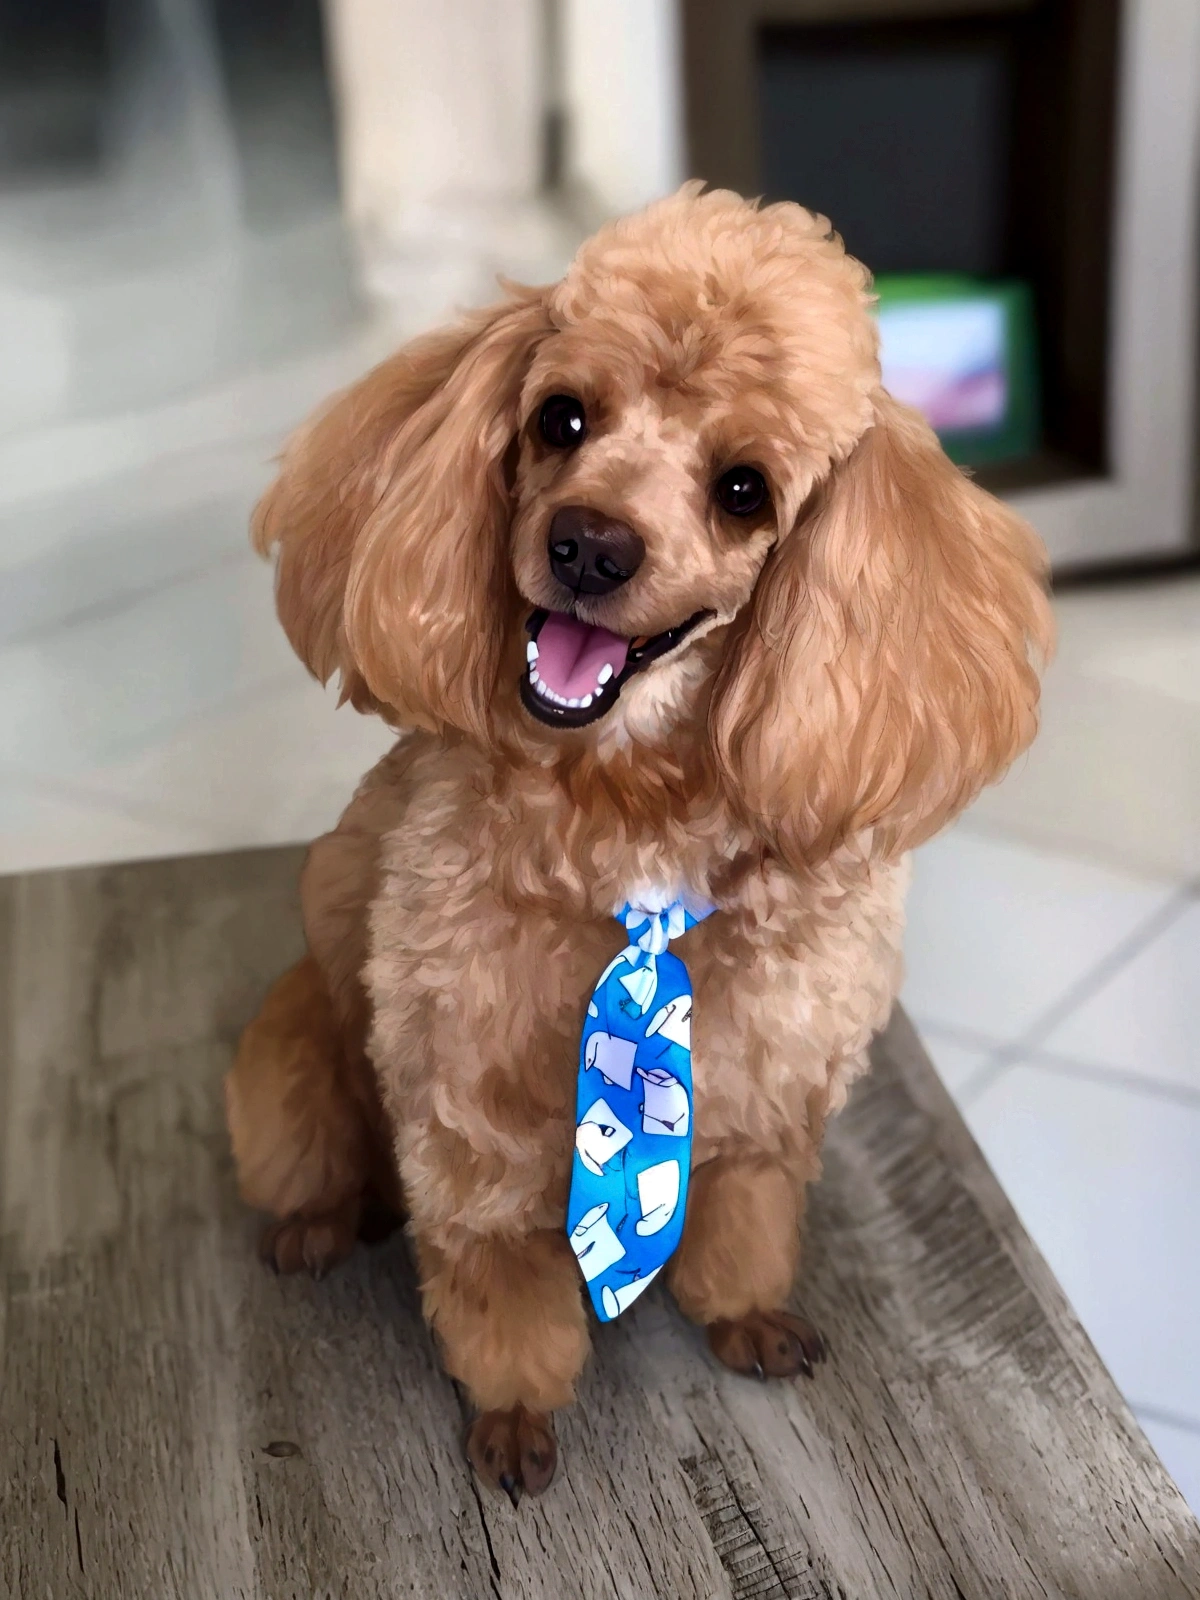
column 633, row 1112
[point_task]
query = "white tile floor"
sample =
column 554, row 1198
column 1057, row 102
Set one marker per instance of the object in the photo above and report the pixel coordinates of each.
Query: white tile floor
column 149, row 706
column 1054, row 971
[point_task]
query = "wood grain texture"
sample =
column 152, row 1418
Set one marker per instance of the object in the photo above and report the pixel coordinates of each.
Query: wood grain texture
column 176, row 1422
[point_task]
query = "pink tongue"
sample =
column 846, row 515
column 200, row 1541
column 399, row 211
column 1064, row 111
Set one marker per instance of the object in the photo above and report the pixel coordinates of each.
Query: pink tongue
column 571, row 655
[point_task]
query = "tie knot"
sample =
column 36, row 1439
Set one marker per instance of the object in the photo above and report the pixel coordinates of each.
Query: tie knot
column 652, row 931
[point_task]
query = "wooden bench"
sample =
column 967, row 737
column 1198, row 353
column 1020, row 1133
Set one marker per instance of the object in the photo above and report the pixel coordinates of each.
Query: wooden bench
column 174, row 1421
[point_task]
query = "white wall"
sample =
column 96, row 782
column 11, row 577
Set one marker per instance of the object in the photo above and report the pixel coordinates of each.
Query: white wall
column 622, row 69
column 1146, row 507
column 441, row 115
column 439, row 102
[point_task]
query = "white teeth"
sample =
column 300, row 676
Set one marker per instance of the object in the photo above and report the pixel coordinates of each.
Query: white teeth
column 580, row 703
column 573, row 704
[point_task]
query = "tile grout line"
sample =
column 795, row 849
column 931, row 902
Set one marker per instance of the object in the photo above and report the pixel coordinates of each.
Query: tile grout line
column 1067, row 846
column 1172, row 1419
column 1117, row 1077
column 166, row 729
column 1079, row 993
column 112, row 605
column 85, row 799
column 930, row 1028
column 79, row 792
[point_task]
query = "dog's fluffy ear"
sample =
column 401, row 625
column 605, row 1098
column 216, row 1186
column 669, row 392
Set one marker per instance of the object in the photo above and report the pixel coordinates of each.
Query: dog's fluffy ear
column 390, row 513
column 888, row 667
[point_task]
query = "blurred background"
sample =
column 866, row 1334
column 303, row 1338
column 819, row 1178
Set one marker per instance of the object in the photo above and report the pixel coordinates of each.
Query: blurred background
column 214, row 212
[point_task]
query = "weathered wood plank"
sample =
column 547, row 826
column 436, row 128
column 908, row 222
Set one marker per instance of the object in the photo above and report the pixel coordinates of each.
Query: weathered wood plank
column 177, row 1422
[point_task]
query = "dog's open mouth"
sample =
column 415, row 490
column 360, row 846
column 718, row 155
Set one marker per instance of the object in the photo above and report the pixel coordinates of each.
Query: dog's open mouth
column 576, row 671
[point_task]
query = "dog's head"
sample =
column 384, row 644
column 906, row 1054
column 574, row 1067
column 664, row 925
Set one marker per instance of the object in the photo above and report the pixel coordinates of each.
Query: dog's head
column 670, row 487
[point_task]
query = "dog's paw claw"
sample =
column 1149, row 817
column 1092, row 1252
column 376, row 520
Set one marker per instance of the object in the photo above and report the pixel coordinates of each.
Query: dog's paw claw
column 513, row 1450
column 767, row 1344
column 308, row 1244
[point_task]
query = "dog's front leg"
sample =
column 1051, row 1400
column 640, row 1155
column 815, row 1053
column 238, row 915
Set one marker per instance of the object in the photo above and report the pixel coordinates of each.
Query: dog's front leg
column 785, row 1008
column 478, row 1007
column 737, row 1263
column 509, row 1318
column 475, row 1045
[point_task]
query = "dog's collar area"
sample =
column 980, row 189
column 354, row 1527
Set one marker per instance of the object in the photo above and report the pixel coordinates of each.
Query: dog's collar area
column 574, row 675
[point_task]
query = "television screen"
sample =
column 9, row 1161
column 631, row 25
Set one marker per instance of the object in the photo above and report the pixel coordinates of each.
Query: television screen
column 960, row 351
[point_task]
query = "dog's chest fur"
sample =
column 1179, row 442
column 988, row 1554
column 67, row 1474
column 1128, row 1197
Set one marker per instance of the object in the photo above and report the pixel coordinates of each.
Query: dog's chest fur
column 493, row 919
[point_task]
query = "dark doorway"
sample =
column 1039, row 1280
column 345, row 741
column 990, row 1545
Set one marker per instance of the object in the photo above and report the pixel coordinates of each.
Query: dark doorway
column 977, row 140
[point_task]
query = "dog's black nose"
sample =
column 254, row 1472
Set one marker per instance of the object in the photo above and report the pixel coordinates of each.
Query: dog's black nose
column 591, row 553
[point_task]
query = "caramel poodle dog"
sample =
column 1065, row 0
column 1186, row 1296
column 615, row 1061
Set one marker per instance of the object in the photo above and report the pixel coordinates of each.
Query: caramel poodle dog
column 781, row 640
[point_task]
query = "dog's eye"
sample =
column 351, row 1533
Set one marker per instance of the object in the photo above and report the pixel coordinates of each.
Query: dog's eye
column 563, row 422
column 741, row 491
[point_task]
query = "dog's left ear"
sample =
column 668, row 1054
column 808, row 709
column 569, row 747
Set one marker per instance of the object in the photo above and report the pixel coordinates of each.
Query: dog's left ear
column 888, row 666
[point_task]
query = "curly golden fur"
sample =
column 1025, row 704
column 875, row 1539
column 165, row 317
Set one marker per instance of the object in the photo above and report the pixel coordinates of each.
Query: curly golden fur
column 866, row 663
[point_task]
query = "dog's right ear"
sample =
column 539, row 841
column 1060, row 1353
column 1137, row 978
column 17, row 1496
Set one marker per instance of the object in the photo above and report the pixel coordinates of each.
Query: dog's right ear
column 339, row 492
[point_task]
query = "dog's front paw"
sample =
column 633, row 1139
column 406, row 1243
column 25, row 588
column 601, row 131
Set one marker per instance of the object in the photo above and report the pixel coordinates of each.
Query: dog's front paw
column 767, row 1344
column 513, row 1450
column 309, row 1244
